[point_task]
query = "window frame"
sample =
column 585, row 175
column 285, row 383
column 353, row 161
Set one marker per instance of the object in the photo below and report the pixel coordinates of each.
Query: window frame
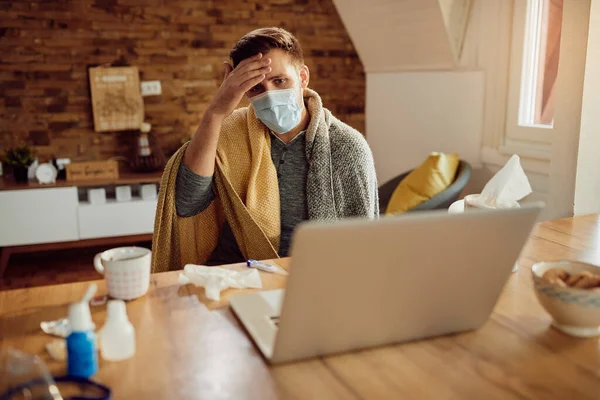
column 527, row 17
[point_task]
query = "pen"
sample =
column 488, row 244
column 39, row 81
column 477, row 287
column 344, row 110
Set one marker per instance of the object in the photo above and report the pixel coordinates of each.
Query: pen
column 266, row 267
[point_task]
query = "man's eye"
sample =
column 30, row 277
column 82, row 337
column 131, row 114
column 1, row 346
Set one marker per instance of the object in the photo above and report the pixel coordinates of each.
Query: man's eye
column 254, row 88
column 279, row 81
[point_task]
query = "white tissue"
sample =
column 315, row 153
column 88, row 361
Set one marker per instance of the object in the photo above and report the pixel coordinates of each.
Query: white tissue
column 216, row 279
column 510, row 184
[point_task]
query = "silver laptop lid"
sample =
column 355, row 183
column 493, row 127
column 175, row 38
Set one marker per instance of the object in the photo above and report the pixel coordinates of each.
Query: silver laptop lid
column 360, row 283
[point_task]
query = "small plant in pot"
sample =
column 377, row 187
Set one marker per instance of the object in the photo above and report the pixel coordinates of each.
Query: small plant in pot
column 19, row 158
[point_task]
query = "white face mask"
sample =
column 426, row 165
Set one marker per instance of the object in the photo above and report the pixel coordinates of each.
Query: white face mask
column 278, row 109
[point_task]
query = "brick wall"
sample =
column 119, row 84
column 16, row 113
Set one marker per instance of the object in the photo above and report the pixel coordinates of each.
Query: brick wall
column 46, row 47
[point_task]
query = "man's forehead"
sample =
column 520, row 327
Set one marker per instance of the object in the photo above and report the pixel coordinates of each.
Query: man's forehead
column 280, row 57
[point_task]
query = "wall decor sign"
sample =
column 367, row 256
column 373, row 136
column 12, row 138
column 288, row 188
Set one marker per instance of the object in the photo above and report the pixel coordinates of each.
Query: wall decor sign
column 116, row 99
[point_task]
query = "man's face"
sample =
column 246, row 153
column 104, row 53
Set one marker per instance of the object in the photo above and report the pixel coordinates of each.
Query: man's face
column 285, row 74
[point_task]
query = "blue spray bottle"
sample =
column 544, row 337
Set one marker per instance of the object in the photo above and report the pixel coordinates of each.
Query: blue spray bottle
column 82, row 356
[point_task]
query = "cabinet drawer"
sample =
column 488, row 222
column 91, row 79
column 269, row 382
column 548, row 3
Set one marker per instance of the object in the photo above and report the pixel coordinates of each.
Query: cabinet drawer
column 116, row 218
column 38, row 216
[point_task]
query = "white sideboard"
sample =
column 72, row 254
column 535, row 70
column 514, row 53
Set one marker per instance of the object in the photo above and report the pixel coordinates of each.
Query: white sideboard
column 32, row 214
column 38, row 216
column 114, row 218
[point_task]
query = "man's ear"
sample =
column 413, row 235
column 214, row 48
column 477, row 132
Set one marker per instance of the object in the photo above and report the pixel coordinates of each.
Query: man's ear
column 304, row 76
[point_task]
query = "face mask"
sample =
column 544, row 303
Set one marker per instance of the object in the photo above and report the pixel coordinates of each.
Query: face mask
column 278, row 109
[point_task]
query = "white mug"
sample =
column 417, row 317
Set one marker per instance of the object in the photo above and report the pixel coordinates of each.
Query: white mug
column 127, row 271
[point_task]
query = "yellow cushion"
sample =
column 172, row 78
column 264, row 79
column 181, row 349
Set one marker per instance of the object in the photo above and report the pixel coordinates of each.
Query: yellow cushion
column 429, row 179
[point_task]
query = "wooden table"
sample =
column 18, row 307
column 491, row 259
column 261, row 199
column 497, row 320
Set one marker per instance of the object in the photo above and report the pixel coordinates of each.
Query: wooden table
column 191, row 349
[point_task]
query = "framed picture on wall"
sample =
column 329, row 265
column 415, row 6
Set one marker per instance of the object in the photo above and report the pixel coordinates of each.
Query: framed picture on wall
column 116, row 99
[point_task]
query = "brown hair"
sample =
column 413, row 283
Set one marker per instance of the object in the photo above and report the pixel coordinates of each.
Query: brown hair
column 262, row 41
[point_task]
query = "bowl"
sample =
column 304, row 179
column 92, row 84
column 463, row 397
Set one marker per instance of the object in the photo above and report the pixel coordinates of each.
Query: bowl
column 574, row 311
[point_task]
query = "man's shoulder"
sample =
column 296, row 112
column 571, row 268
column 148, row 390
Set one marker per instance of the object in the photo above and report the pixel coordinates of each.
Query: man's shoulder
column 345, row 137
column 239, row 116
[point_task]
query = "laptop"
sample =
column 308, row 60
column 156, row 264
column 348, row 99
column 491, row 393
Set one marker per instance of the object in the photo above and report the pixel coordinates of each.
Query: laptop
column 356, row 284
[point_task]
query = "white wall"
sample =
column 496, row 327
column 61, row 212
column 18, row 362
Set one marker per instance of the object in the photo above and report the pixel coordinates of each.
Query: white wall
column 441, row 114
column 415, row 29
column 587, row 185
column 567, row 105
column 411, row 114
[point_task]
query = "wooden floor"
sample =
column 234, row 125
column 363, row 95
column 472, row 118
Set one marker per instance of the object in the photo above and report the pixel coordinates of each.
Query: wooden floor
column 52, row 267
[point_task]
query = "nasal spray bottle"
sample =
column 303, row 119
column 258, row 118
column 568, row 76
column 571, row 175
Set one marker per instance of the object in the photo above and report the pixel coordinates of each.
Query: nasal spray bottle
column 117, row 338
column 82, row 355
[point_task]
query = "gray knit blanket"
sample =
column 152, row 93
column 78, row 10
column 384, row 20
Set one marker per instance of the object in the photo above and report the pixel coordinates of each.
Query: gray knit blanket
column 341, row 181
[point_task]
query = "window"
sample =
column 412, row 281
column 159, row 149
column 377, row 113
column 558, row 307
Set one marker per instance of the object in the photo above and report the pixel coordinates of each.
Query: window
column 540, row 62
column 534, row 68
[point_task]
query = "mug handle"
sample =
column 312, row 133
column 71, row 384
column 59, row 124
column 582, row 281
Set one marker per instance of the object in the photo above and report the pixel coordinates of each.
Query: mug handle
column 98, row 264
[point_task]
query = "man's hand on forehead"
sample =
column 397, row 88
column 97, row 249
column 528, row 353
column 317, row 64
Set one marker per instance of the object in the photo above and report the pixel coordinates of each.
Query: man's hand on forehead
column 255, row 63
column 255, row 57
column 237, row 81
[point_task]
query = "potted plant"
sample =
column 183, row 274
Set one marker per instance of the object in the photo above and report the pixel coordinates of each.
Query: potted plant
column 19, row 158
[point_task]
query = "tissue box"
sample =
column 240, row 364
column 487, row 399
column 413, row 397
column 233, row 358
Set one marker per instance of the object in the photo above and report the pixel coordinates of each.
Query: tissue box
column 148, row 192
column 97, row 196
column 123, row 193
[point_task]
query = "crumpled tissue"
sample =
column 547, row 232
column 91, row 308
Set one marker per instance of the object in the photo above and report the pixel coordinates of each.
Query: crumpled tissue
column 507, row 187
column 216, row 279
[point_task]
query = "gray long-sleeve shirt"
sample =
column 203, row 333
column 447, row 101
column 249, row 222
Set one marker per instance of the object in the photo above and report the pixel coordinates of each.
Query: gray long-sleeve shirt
column 193, row 194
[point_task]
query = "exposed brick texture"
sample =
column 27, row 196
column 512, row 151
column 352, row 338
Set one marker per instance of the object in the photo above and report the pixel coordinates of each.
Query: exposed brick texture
column 46, row 47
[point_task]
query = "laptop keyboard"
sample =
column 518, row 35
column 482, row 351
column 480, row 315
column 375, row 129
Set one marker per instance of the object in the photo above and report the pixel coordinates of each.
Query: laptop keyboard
column 274, row 299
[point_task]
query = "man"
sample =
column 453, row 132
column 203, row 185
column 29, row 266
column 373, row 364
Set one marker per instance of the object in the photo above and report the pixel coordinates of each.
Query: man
column 282, row 160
